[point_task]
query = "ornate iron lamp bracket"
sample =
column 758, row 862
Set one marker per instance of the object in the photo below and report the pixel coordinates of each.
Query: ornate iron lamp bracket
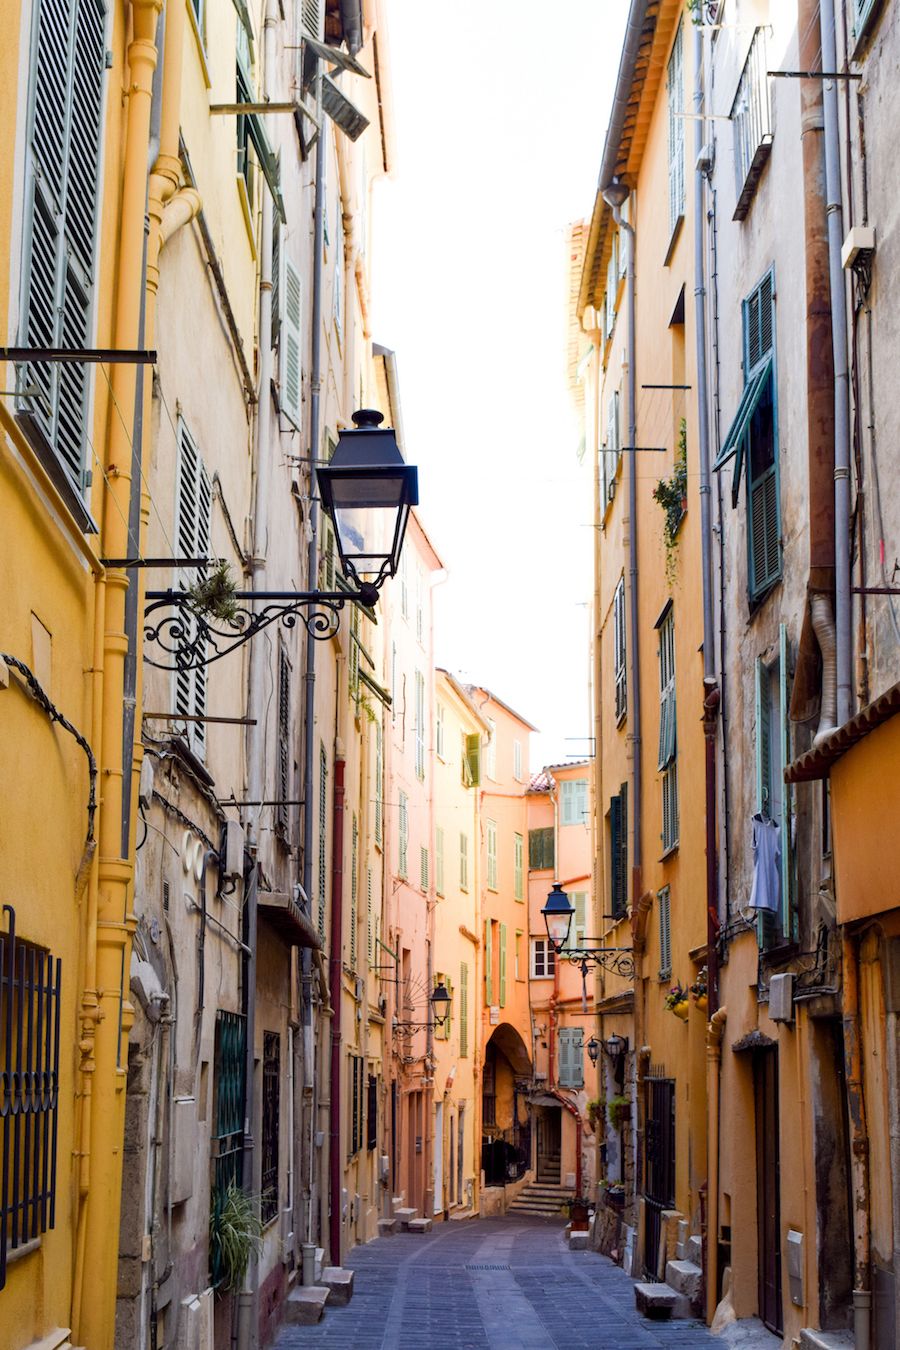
column 189, row 637
column 617, row 960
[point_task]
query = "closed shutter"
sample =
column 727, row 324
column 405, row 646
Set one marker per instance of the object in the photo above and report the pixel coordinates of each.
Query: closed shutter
column 58, row 264
column 675, row 99
column 423, row 868
column 439, row 860
column 763, row 742
column 488, row 963
column 665, row 933
column 472, row 761
column 564, row 1056
column 372, row 1113
column 283, row 792
column 619, row 653
column 580, row 900
column 403, row 836
column 491, row 855
column 502, row 998
column 518, row 867
column 420, row 725
column 463, row 862
column 370, row 919
column 193, row 531
column 540, row 849
column 290, row 372
column 354, row 889
column 277, row 280
column 789, row 916
column 571, row 1057
column 463, row 1009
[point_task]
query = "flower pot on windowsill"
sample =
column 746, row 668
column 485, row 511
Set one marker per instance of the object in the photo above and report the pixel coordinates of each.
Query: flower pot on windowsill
column 702, row 1002
column 682, row 1009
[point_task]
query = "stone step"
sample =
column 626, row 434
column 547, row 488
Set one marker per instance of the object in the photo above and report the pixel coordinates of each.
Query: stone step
column 419, row 1226
column 693, row 1249
column 825, row 1340
column 535, row 1188
column 685, row 1278
column 397, row 1202
column 403, row 1217
column 387, row 1226
column 533, row 1210
column 339, row 1283
column 305, row 1305
column 547, row 1201
column 659, row 1302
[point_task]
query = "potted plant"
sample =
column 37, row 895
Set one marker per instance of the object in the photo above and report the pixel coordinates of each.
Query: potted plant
column 618, row 1109
column 700, row 990
column 578, row 1209
column 677, row 1000
column 671, row 494
column 596, row 1112
column 235, row 1230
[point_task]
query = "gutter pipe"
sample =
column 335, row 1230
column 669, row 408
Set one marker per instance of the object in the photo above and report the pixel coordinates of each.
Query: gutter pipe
column 715, row 1030
column 711, row 695
column 834, row 215
column 334, row 985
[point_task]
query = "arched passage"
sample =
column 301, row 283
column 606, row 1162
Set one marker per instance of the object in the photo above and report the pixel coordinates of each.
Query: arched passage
column 506, row 1118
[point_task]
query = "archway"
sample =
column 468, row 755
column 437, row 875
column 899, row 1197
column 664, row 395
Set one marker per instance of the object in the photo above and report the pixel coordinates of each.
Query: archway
column 506, row 1117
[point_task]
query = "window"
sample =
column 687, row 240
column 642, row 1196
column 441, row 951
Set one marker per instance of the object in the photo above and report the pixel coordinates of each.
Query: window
column 517, row 956
column 609, row 459
column 290, row 374
column 668, row 746
column 675, row 100
column 60, row 235
column 404, row 585
column 323, row 835
column 463, row 862
column 372, row 1113
column 502, row 963
column 420, row 603
column 774, row 797
column 193, row 526
column 579, row 919
column 471, row 761
column 337, row 294
column 356, row 1066
column 517, row 761
column 571, row 1057
column 420, row 725
column 753, row 440
column 574, row 792
column 862, row 12
column 618, row 852
column 370, row 919
column 490, row 753
column 751, row 120
column 518, row 867
column 354, row 889
column 423, row 868
column 663, row 905
column 403, row 837
column 543, row 959
column 463, row 1009
column 621, row 676
column 393, row 682
column 491, row 832
column 283, row 791
column 488, row 962
column 439, row 718
column 439, row 859
column 271, row 1094
column 379, row 785
column 245, row 94
column 29, row 1018
column 540, row 849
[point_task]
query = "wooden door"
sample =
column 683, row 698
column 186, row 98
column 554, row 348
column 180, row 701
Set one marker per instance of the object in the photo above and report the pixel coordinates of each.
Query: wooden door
column 549, row 1144
column 659, row 1171
column 768, row 1206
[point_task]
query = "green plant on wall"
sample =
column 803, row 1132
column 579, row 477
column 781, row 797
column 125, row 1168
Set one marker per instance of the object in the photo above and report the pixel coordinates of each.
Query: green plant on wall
column 618, row 1110
column 235, row 1231
column 216, row 595
column 671, row 494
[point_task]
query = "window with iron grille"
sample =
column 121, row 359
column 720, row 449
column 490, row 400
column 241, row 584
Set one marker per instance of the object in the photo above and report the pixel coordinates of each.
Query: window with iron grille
column 668, row 741
column 227, row 1143
column 356, row 1066
column 283, row 791
column 618, row 852
column 751, row 120
column 621, row 676
column 60, row 237
column 541, row 850
column 271, row 1095
column 29, row 1089
column 372, row 1113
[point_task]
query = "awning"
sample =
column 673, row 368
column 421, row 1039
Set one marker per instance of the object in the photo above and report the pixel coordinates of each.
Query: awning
column 733, row 445
column 285, row 915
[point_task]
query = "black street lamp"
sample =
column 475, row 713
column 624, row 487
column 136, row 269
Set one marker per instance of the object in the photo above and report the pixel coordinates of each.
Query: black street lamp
column 366, row 490
column 558, row 912
column 439, row 1002
column 593, row 1049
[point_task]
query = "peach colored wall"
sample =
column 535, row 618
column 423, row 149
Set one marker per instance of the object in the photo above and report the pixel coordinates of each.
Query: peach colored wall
column 865, row 791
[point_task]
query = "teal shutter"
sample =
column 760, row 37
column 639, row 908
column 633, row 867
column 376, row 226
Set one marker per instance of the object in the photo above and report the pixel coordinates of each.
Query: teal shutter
column 789, row 916
column 518, row 861
column 761, row 439
column 62, row 197
column 277, row 281
column 663, row 900
column 502, row 998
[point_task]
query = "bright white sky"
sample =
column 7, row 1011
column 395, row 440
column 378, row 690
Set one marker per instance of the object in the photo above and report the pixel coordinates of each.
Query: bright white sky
column 501, row 110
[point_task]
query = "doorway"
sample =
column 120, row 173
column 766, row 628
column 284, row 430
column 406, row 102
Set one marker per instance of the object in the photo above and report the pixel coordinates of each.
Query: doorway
column 549, row 1144
column 659, row 1172
column 768, row 1206
column 439, row 1158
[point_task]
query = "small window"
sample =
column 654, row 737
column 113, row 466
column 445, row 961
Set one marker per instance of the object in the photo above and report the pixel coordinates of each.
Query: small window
column 541, row 850
column 518, row 867
column 543, row 959
column 574, row 802
column 491, row 833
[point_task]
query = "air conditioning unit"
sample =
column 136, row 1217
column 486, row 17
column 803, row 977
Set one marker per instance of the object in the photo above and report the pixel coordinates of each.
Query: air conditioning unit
column 781, row 998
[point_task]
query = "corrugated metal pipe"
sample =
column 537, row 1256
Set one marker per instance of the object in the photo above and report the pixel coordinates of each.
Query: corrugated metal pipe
column 823, row 627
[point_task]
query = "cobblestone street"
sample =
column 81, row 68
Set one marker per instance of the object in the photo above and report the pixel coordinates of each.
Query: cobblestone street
column 490, row 1284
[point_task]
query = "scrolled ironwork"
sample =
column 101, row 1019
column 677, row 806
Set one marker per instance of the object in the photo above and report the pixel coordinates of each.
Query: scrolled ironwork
column 617, row 960
column 190, row 638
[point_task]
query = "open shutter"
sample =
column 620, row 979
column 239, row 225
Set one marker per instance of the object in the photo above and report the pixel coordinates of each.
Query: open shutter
column 290, row 373
column 473, row 760
column 277, row 280
column 282, row 813
column 665, row 932
column 576, row 1058
column 789, row 917
column 488, row 963
column 763, row 746
column 463, row 1009
column 502, row 998
column 193, row 522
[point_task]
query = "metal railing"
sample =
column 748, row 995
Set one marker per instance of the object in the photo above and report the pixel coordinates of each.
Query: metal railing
column 751, row 117
column 29, row 1089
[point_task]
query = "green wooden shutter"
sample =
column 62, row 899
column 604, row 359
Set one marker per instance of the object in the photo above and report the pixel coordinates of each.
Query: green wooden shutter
column 675, row 98
column 580, row 899
column 502, row 999
column 562, row 1054
column 282, row 811
column 488, row 963
column 370, row 933
column 423, row 868
column 763, row 747
column 789, row 916
column 290, row 374
column 463, row 1009
column 473, row 760
column 665, row 932
column 463, row 862
column 518, row 870
column 491, row 831
column 577, row 1058
column 403, row 837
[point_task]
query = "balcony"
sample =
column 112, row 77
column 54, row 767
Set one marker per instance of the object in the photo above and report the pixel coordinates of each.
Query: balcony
column 751, row 117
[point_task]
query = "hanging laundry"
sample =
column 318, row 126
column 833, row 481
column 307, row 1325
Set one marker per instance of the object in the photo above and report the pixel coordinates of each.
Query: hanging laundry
column 766, row 892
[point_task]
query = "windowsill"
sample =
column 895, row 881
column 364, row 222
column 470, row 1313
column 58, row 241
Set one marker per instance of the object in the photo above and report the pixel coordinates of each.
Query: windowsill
column 244, row 198
column 25, row 1249
column 493, row 890
column 667, row 852
column 71, row 502
column 198, row 38
column 676, row 231
column 543, row 977
column 664, row 976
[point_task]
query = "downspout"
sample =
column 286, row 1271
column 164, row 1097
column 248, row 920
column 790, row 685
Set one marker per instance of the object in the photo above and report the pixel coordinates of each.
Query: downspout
column 711, row 695
column 309, row 672
column 554, row 998
column 715, row 1030
column 258, row 669
column 579, row 1134
column 105, row 1029
column 334, row 984
column 859, row 1144
column 834, row 215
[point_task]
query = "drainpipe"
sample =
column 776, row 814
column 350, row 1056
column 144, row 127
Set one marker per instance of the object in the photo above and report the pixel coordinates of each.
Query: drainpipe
column 834, row 216
column 334, row 984
column 859, row 1142
column 711, row 696
column 715, row 1030
column 554, row 997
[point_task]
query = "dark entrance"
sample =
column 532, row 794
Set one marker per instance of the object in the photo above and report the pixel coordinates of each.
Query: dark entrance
column 659, row 1170
column 768, row 1208
column 549, row 1144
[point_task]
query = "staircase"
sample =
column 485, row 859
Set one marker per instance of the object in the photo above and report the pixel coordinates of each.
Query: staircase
column 544, row 1202
column 680, row 1294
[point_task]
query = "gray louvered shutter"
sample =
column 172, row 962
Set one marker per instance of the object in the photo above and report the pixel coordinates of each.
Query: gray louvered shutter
column 61, row 218
column 283, row 790
column 576, row 1058
column 291, row 373
column 277, row 280
column 193, row 531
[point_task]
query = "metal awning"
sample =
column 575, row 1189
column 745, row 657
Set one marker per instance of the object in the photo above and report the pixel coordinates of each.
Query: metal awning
column 285, row 915
column 733, row 445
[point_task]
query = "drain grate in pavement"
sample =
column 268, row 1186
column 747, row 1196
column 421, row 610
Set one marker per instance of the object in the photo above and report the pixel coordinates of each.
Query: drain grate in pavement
column 477, row 1267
